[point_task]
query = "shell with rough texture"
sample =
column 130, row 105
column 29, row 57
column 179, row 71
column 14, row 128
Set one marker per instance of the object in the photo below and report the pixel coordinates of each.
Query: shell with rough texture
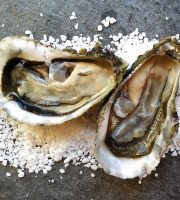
column 138, row 121
column 42, row 85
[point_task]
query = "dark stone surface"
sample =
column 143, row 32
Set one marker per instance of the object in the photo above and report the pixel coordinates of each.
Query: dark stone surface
column 149, row 16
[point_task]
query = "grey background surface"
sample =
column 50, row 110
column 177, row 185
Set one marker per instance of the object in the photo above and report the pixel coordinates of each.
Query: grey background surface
column 147, row 15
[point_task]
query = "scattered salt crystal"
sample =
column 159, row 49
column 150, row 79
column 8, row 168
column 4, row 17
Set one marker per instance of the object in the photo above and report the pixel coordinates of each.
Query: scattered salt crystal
column 112, row 20
column 66, row 165
column 92, row 161
column 72, row 17
column 106, row 24
column 167, row 18
column 62, row 171
column 51, row 39
column 80, row 152
column 68, row 43
column 2, row 25
column 94, row 167
column 99, row 28
column 63, row 37
column 80, row 172
column 140, row 182
column 21, row 174
column 8, row 174
column 61, row 177
column 156, row 174
column 73, row 14
column 41, row 15
column 85, row 160
column 27, row 32
column 45, row 37
column 92, row 175
column 115, row 38
column 76, row 26
column 4, row 162
column 88, row 165
column 52, row 181
column 67, row 160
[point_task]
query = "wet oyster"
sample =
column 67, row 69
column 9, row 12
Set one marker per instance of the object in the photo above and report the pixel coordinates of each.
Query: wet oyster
column 136, row 124
column 41, row 85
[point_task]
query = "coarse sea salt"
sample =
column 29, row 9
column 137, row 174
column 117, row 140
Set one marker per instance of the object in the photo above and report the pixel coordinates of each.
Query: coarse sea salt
column 37, row 148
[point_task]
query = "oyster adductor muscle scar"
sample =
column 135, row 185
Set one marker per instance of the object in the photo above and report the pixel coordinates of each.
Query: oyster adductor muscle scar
column 136, row 124
column 43, row 85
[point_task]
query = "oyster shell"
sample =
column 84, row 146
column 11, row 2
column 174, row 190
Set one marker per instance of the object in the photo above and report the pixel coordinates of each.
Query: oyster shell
column 136, row 124
column 42, row 85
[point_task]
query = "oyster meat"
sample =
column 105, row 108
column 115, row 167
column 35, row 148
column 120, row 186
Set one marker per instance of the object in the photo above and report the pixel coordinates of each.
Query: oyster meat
column 137, row 123
column 42, row 85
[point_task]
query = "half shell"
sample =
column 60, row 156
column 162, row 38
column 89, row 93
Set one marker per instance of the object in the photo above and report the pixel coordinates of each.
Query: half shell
column 42, row 85
column 137, row 123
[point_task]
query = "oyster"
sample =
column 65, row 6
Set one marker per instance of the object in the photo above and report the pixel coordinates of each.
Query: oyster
column 136, row 124
column 42, row 85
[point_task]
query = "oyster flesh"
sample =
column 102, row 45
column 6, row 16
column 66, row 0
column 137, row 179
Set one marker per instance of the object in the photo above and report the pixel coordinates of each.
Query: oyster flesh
column 42, row 85
column 137, row 123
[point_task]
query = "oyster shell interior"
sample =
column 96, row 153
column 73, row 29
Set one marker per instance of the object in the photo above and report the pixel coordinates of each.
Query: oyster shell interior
column 137, row 123
column 49, row 86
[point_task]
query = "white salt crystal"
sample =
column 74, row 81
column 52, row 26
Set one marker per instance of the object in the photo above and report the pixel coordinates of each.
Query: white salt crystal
column 21, row 174
column 85, row 160
column 112, row 20
column 62, row 171
column 48, row 168
column 51, row 39
column 27, row 32
column 80, row 152
column 115, row 38
column 8, row 174
column 92, row 175
column 88, row 165
column 4, row 162
column 2, row 25
column 106, row 24
column 76, row 26
column 94, row 167
column 80, row 172
column 99, row 28
column 156, row 174
column 41, row 15
column 72, row 17
column 67, row 160
column 45, row 37
column 63, row 37
column 73, row 14
column 68, row 43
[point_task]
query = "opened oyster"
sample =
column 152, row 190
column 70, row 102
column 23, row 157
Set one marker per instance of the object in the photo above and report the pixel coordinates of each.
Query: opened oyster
column 41, row 85
column 136, row 124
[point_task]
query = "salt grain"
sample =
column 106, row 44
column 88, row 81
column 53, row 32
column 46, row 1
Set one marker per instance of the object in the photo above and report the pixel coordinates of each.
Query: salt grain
column 92, row 175
column 76, row 26
column 21, row 174
column 27, row 32
column 94, row 167
column 63, row 38
column 8, row 174
column 112, row 20
column 99, row 28
column 62, row 171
